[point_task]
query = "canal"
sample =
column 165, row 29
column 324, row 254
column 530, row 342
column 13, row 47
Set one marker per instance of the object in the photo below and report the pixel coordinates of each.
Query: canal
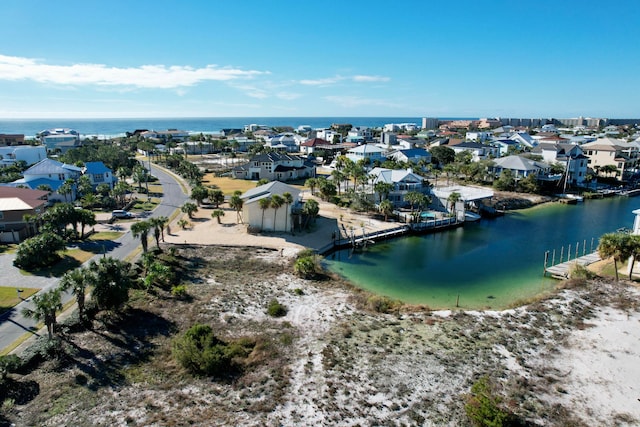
column 493, row 263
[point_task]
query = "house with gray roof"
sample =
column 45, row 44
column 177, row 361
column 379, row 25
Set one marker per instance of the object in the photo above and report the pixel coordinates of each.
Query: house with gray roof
column 403, row 182
column 412, row 155
column 270, row 219
column 520, row 167
column 276, row 166
column 51, row 173
column 570, row 156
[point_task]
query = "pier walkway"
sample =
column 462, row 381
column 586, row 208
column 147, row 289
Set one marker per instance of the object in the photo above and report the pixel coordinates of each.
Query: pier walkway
column 562, row 270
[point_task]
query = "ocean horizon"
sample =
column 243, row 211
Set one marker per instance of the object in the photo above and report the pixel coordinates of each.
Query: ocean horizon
column 114, row 127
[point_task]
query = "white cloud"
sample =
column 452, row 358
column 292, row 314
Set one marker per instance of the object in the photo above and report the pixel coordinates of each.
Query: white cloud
column 146, row 76
column 288, row 96
column 252, row 91
column 321, row 82
column 336, row 79
column 369, row 79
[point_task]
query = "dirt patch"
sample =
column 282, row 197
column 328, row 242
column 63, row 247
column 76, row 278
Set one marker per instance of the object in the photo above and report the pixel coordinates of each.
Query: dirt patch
column 330, row 362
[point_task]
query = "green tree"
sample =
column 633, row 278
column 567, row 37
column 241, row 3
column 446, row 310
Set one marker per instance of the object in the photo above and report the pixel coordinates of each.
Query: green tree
column 44, row 309
column 199, row 193
column 217, row 214
column 483, row 406
column 264, row 203
column 288, row 200
column 157, row 224
column 189, row 208
column 453, row 198
column 619, row 246
column 84, row 185
column 67, row 188
column 86, row 218
column 506, row 181
column 385, row 208
column 216, row 196
column 78, row 281
column 383, row 189
column 442, row 155
column 312, row 183
column 276, row 203
column 39, row 251
column 141, row 229
column 112, row 283
column 236, row 203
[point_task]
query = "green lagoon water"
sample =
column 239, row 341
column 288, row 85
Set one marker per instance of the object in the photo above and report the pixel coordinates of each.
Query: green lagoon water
column 491, row 263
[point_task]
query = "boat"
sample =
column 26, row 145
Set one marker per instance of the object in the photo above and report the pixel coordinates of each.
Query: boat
column 471, row 216
column 568, row 197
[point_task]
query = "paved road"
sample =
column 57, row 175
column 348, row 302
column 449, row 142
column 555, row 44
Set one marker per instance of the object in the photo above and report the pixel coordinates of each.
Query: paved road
column 13, row 324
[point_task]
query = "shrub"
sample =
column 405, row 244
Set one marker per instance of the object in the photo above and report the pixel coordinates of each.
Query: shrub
column 203, row 354
column 306, row 267
column 39, row 251
column 483, row 406
column 275, row 309
column 179, row 291
column 382, row 304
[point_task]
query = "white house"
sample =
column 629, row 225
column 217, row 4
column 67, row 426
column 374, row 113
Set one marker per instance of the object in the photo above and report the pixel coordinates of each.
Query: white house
column 328, row 135
column 521, row 167
column 570, row 156
column 366, row 152
column 27, row 153
column 524, row 139
column 270, row 219
column 478, row 151
column 478, row 136
column 61, row 139
column 412, row 155
column 283, row 142
column 403, row 181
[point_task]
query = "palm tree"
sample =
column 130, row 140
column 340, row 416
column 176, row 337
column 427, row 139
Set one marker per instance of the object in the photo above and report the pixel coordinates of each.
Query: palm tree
column 288, row 200
column 199, row 193
column 616, row 245
column 217, row 214
column 141, row 229
column 338, row 176
column 66, row 188
column 386, row 208
column 77, row 280
column 276, row 202
column 236, row 203
column 189, row 208
column 158, row 223
column 264, row 203
column 383, row 189
column 45, row 307
column 311, row 183
column 453, row 198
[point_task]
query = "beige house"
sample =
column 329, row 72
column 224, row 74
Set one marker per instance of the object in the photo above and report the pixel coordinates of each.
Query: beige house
column 15, row 203
column 269, row 219
column 611, row 151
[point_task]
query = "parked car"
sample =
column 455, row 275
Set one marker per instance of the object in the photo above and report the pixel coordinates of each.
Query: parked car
column 120, row 213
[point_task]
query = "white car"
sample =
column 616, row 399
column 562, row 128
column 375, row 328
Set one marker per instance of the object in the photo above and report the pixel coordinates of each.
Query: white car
column 120, row 213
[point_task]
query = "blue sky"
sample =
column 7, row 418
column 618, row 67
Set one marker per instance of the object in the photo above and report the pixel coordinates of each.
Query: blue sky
column 509, row 58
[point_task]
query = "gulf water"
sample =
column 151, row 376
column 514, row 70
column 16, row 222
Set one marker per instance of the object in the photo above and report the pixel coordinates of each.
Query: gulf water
column 118, row 127
column 488, row 264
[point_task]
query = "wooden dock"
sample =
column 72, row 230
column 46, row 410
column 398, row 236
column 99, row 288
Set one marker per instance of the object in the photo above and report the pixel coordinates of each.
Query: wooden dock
column 562, row 270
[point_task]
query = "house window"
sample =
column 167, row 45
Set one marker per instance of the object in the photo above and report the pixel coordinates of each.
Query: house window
column 1, row 215
column 61, row 176
column 98, row 177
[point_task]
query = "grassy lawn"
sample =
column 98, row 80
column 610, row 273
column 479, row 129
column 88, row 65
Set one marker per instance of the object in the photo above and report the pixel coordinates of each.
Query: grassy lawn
column 155, row 190
column 71, row 259
column 9, row 296
column 229, row 185
column 105, row 235
column 144, row 205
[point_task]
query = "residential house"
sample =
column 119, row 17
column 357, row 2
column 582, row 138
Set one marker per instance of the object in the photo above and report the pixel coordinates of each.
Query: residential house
column 98, row 173
column 15, row 153
column 166, row 135
column 276, row 166
column 403, row 181
column 570, row 156
column 505, row 145
column 520, row 167
column 611, row 151
column 270, row 219
column 478, row 151
column 524, row 139
column 15, row 203
column 315, row 144
column 412, row 155
column 284, row 142
column 477, row 136
column 59, row 139
column 7, row 139
column 360, row 135
column 52, row 173
column 367, row 153
column 329, row 135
